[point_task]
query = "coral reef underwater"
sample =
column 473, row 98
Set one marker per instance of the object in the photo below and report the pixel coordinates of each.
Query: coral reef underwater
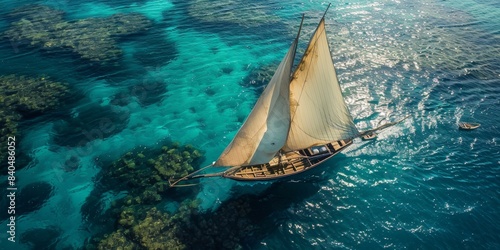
column 138, row 220
column 23, row 97
column 145, row 173
column 92, row 39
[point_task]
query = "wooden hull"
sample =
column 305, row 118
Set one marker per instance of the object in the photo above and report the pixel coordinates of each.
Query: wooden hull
column 290, row 163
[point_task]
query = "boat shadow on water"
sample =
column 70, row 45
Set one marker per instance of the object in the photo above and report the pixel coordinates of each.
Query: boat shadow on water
column 247, row 219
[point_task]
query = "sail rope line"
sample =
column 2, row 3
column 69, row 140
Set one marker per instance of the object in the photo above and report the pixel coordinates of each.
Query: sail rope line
column 384, row 126
column 172, row 184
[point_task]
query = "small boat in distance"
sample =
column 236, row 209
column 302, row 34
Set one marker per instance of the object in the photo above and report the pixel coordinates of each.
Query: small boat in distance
column 369, row 136
column 300, row 120
column 468, row 125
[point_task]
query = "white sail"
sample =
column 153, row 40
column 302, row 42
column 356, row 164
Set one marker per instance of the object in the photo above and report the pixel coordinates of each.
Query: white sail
column 319, row 114
column 266, row 128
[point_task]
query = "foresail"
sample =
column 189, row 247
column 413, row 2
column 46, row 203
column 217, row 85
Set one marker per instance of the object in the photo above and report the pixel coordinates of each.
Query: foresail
column 266, row 128
column 319, row 114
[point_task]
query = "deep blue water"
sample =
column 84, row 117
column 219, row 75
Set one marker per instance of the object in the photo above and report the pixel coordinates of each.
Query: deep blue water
column 422, row 184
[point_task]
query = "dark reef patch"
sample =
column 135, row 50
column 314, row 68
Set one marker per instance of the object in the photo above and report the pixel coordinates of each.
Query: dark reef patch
column 210, row 91
column 121, row 99
column 149, row 91
column 154, row 49
column 93, row 207
column 89, row 123
column 33, row 196
column 227, row 70
column 241, row 118
column 259, row 77
column 242, row 222
column 42, row 238
column 71, row 164
column 227, row 104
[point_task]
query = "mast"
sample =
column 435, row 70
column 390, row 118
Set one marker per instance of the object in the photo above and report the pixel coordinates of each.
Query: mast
column 327, row 7
column 298, row 35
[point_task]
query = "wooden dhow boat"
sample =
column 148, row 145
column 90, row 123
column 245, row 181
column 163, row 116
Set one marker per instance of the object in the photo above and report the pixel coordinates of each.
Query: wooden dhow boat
column 299, row 121
column 468, row 125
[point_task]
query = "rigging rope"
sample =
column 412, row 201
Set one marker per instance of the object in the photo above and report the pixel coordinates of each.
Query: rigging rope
column 382, row 126
column 189, row 175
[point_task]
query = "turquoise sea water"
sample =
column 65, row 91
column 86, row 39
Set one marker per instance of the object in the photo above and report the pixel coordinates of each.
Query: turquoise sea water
column 191, row 78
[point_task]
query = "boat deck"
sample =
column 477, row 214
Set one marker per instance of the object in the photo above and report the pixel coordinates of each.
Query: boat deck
column 289, row 163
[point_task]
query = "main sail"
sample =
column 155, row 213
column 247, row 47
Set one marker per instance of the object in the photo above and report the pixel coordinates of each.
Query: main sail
column 266, row 128
column 319, row 114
